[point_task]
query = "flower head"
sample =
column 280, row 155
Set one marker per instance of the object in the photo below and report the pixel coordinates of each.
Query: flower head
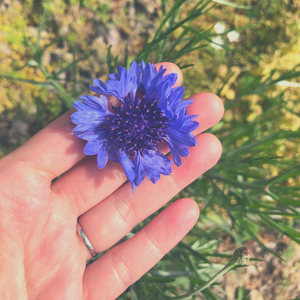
column 241, row 256
column 150, row 112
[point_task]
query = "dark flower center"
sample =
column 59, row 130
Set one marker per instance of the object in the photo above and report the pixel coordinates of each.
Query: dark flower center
column 137, row 125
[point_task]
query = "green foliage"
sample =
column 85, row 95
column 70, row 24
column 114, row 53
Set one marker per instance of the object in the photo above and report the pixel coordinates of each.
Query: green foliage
column 241, row 195
column 162, row 47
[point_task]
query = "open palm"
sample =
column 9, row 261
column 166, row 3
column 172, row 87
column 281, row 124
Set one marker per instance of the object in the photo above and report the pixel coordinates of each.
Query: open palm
column 42, row 256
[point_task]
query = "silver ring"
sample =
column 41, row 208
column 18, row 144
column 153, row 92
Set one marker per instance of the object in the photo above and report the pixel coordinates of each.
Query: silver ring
column 86, row 240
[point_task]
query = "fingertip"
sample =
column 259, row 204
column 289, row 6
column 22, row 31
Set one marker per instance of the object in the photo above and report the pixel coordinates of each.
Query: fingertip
column 214, row 148
column 190, row 210
column 216, row 103
column 172, row 224
column 209, row 109
column 201, row 158
column 171, row 68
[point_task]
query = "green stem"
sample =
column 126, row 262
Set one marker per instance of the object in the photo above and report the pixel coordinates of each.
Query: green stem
column 231, row 264
column 240, row 257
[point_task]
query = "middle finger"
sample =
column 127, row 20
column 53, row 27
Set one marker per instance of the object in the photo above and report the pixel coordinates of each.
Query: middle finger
column 85, row 184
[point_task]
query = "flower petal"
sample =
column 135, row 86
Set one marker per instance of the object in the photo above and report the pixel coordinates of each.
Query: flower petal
column 99, row 86
column 189, row 124
column 96, row 103
column 102, row 158
column 153, row 165
column 92, row 147
column 178, row 150
column 127, row 165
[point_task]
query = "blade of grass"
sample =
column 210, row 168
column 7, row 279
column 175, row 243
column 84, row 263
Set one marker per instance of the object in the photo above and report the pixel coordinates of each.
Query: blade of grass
column 28, row 42
column 111, row 62
column 284, row 176
column 65, row 96
column 43, row 84
column 170, row 13
column 42, row 25
column 289, row 232
column 145, row 52
column 74, row 63
column 224, row 2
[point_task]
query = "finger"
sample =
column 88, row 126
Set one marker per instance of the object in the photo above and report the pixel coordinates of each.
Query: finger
column 108, row 221
column 55, row 149
column 209, row 109
column 171, row 68
column 85, row 185
column 110, row 275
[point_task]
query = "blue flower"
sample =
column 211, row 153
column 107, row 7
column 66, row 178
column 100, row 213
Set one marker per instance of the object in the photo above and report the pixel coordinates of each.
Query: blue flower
column 150, row 112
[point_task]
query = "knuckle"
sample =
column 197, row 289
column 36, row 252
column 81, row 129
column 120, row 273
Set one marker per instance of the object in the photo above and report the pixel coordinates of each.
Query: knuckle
column 126, row 211
column 153, row 241
column 122, row 272
column 117, row 170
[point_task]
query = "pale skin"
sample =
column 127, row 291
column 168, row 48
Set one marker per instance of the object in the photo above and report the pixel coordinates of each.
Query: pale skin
column 41, row 255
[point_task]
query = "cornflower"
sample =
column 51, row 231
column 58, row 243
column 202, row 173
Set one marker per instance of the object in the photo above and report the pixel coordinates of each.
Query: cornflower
column 150, row 112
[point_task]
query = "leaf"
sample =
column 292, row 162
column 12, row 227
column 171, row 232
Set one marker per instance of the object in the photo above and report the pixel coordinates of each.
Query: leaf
column 147, row 50
column 194, row 252
column 133, row 293
column 169, row 273
column 284, row 176
column 241, row 184
column 126, row 60
column 181, row 53
column 2, row 149
column 285, row 230
column 171, row 12
column 43, row 84
column 232, row 4
column 185, row 66
column 65, row 96
column 28, row 42
column 109, row 58
column 41, row 25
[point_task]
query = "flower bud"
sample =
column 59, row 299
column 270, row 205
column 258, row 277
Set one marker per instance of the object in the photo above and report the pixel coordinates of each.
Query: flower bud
column 242, row 255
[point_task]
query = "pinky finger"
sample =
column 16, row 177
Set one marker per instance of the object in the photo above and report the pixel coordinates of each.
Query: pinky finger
column 120, row 267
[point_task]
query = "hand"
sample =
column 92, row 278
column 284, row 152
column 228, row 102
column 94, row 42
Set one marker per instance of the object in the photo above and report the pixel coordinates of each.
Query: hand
column 42, row 256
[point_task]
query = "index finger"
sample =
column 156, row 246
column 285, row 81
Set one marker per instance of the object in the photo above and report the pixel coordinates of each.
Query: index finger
column 55, row 149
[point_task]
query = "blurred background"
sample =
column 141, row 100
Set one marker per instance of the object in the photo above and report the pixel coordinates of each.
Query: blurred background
column 247, row 52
